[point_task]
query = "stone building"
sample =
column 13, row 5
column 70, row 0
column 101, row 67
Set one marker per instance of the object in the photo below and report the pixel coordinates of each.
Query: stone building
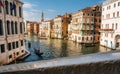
column 32, row 28
column 11, row 31
column 110, row 26
column 61, row 26
column 45, row 28
column 85, row 25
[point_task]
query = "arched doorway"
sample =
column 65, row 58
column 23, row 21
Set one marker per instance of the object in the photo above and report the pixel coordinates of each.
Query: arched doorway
column 117, row 41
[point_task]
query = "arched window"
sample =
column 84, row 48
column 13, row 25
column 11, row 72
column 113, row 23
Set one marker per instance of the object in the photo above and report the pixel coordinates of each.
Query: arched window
column 16, row 28
column 0, row 9
column 15, row 12
column 21, row 28
column 20, row 14
column 6, row 7
column 12, row 27
column 10, row 9
column 1, row 28
column 8, row 27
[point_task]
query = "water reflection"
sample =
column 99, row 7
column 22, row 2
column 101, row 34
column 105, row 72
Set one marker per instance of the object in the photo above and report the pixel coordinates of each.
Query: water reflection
column 55, row 48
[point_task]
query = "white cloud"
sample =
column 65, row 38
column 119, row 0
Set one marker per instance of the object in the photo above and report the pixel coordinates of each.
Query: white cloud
column 31, row 16
column 28, row 5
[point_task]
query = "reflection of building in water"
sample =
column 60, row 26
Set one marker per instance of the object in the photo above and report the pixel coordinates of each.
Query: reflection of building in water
column 110, row 27
column 32, row 28
column 11, row 31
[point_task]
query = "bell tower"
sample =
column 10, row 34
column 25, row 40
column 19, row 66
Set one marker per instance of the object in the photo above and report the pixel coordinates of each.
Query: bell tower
column 42, row 17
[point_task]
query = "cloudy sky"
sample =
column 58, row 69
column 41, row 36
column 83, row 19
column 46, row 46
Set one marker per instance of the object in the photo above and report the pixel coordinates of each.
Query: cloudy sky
column 32, row 8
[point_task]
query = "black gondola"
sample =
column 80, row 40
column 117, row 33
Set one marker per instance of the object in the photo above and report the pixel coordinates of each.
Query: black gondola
column 37, row 51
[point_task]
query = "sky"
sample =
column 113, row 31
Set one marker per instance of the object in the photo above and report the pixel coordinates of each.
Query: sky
column 32, row 9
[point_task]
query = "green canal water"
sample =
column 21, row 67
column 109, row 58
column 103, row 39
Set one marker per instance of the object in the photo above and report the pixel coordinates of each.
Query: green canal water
column 57, row 48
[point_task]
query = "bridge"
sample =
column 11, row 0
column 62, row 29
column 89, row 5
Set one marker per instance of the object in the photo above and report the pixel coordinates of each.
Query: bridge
column 98, row 63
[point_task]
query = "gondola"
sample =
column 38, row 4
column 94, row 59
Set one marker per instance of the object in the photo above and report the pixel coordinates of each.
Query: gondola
column 37, row 51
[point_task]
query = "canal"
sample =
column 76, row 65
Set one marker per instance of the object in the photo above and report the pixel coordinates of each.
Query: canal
column 56, row 48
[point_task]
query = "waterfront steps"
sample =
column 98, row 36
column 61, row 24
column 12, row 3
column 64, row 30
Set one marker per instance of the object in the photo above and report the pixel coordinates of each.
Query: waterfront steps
column 98, row 63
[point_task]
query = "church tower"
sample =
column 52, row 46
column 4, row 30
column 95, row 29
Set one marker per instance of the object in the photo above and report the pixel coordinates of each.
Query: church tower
column 42, row 17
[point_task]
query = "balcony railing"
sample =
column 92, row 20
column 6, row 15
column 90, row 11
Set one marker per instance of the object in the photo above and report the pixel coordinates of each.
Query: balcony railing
column 106, row 30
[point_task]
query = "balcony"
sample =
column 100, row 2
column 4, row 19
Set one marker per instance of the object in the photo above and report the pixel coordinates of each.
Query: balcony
column 106, row 30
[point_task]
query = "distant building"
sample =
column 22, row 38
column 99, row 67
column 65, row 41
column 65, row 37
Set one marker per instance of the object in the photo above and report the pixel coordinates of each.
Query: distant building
column 44, row 28
column 61, row 26
column 32, row 28
column 11, row 32
column 110, row 26
column 85, row 25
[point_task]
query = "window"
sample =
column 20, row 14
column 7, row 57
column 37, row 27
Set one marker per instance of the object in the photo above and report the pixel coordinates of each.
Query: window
column 16, row 44
column 6, row 7
column 20, row 12
column 118, row 3
column 10, row 9
column 112, row 26
column 13, row 44
column 22, row 51
column 79, row 38
column 114, row 5
column 2, row 47
column 118, row 14
column 116, row 26
column 9, row 46
column 87, row 38
column 21, row 42
column 1, row 28
column 17, row 53
column 0, row 9
column 114, row 14
column 15, row 11
column 8, row 27
column 10, row 56
column 82, row 38
column 16, row 31
column 91, row 38
column 12, row 27
column 21, row 28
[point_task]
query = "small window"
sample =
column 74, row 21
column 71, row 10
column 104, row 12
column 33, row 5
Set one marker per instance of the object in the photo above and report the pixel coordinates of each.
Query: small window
column 0, row 9
column 21, row 42
column 118, row 3
column 16, row 44
column 9, row 46
column 87, row 38
column 17, row 53
column 82, row 38
column 116, row 26
column 114, row 14
column 10, row 56
column 2, row 48
column 114, row 5
column 13, row 44
column 91, row 38
column 118, row 14
column 22, row 51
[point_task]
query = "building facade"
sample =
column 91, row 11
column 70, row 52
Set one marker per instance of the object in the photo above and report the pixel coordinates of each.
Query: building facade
column 110, row 26
column 44, row 28
column 83, row 28
column 32, row 28
column 11, row 31
column 61, row 26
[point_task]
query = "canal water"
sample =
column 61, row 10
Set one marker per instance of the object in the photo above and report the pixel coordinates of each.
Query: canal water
column 57, row 48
